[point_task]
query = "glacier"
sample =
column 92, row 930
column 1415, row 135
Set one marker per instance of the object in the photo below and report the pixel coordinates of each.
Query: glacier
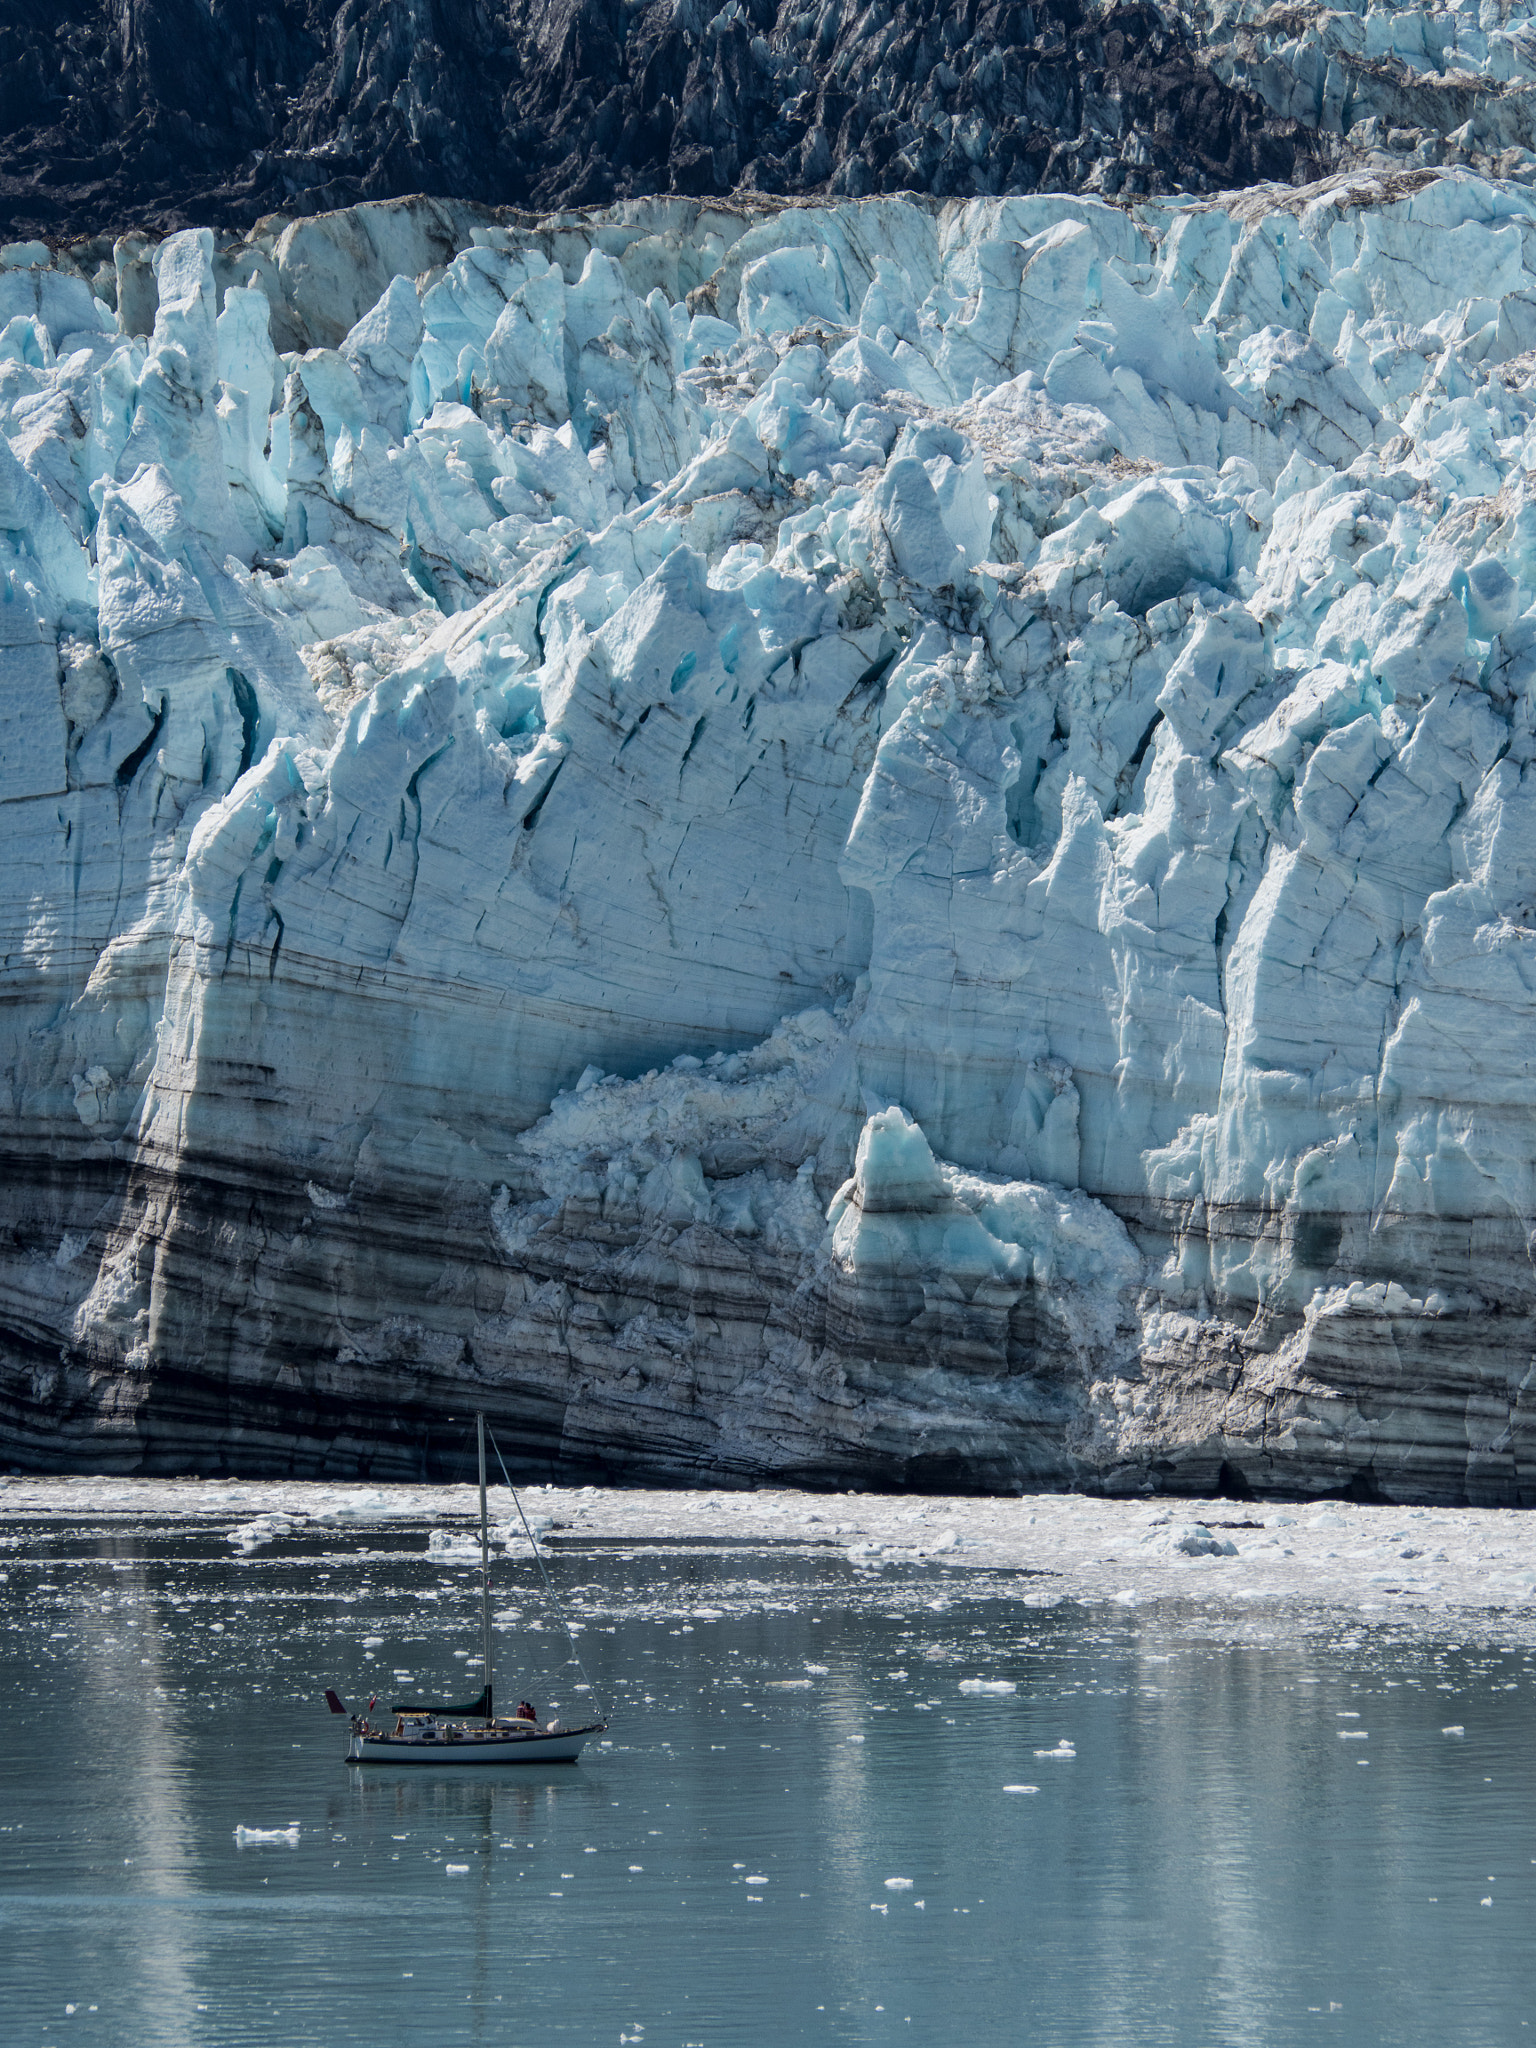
column 878, row 842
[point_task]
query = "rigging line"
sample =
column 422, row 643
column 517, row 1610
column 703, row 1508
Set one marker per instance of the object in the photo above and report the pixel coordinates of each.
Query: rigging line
column 602, row 1711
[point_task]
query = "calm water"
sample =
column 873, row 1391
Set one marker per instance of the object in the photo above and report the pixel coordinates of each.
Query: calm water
column 1229, row 1857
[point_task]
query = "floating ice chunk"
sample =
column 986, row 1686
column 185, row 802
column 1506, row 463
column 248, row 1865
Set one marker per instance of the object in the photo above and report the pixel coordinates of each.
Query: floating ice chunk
column 247, row 1838
column 1195, row 1540
column 254, row 1534
column 1455, row 1728
column 455, row 1869
column 357, row 1507
column 754, row 1880
column 988, row 1685
column 1021, row 1788
column 1064, row 1749
column 898, row 1884
column 1354, row 1734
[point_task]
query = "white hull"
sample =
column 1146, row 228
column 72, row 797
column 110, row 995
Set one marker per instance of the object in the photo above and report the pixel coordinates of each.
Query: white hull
column 472, row 1747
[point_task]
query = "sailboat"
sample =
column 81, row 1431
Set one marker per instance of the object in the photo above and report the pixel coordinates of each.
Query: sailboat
column 472, row 1734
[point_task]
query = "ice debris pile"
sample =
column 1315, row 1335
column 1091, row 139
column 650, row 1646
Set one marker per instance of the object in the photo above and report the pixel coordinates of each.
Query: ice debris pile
column 877, row 840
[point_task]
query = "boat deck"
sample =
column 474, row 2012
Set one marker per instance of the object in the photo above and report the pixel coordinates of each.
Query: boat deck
column 451, row 1744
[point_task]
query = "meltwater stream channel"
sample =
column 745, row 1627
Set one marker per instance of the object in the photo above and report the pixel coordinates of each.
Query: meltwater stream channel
column 808, row 1824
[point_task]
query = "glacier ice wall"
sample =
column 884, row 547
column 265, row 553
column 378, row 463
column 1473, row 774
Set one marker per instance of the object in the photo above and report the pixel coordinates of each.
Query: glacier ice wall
column 881, row 842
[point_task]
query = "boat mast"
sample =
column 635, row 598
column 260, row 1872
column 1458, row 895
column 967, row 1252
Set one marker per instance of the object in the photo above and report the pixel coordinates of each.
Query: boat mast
column 485, row 1572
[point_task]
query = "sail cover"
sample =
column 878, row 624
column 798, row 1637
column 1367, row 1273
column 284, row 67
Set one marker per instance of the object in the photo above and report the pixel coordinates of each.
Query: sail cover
column 477, row 1710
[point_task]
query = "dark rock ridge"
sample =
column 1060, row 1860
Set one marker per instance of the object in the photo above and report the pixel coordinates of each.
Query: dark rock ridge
column 161, row 113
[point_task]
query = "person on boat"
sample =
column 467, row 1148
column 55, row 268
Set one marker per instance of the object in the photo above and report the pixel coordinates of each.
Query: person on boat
column 525, row 1711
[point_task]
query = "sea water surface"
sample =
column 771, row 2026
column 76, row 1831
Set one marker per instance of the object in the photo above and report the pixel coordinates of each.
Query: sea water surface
column 817, row 1816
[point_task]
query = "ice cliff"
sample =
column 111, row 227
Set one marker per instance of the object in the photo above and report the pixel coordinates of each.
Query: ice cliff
column 881, row 842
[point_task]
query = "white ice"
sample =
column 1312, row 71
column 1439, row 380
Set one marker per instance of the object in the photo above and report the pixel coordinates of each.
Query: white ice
column 1336, row 1553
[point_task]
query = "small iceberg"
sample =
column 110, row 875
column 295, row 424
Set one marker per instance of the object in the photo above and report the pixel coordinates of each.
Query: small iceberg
column 1195, row 1540
column 252, row 1535
column 992, row 1685
column 255, row 1838
column 356, row 1507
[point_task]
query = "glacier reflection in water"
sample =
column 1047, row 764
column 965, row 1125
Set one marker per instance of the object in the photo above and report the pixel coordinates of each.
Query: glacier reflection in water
column 1247, row 1827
